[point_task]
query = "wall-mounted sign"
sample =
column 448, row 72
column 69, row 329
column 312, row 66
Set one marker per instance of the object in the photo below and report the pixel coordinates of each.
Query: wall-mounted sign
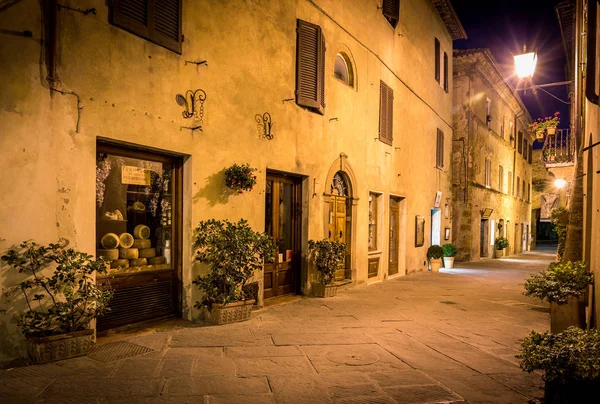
column 438, row 199
column 135, row 175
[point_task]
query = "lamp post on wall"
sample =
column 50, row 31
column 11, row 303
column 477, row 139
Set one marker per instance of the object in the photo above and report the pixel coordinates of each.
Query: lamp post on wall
column 525, row 64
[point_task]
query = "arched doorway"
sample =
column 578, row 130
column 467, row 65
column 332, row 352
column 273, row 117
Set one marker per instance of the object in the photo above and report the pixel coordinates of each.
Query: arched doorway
column 340, row 219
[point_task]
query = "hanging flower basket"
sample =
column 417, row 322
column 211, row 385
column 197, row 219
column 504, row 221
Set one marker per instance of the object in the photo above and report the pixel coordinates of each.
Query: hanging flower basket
column 548, row 125
column 240, row 178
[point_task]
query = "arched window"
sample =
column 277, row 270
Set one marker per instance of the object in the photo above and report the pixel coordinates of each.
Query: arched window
column 342, row 69
column 338, row 185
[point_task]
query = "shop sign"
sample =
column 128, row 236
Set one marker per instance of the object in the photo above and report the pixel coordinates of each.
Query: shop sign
column 135, row 175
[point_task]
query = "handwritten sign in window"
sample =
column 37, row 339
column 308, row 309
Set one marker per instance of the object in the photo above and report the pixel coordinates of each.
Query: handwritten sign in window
column 135, row 175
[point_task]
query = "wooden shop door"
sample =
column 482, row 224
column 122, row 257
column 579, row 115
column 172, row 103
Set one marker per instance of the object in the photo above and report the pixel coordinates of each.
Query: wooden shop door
column 394, row 241
column 283, row 215
column 138, row 207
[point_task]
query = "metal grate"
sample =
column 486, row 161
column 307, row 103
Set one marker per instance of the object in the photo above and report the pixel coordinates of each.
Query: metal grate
column 117, row 350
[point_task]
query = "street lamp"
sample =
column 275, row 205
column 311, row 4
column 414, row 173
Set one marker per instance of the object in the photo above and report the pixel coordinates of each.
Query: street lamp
column 525, row 65
column 560, row 183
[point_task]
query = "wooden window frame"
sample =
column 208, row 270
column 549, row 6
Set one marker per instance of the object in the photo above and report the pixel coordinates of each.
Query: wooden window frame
column 309, row 38
column 391, row 11
column 147, row 31
column 439, row 150
column 438, row 51
column 386, row 113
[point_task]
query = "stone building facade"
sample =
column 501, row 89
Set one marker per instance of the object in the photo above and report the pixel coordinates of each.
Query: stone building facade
column 128, row 116
column 491, row 159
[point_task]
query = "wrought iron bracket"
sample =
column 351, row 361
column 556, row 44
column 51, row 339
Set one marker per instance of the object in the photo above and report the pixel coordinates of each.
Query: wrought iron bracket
column 189, row 101
column 265, row 121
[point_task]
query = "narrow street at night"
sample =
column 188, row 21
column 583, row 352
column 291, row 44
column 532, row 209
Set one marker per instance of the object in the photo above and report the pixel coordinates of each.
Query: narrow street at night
column 423, row 338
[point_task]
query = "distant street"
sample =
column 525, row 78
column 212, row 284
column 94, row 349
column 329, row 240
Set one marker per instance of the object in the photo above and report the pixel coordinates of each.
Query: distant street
column 423, row 338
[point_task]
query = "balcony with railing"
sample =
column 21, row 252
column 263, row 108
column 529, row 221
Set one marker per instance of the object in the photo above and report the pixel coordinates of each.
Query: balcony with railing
column 558, row 149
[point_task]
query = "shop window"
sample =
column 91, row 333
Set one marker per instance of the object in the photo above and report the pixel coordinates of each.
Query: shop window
column 386, row 113
column 156, row 21
column 342, row 69
column 310, row 67
column 373, row 219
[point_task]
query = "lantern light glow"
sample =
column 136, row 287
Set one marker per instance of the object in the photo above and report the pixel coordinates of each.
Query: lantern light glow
column 525, row 64
column 560, row 183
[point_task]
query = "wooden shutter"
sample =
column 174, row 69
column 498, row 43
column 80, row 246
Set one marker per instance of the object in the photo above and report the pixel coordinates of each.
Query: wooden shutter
column 525, row 149
column 310, row 66
column 520, row 143
column 158, row 21
column 386, row 113
column 437, row 60
column 439, row 149
column 391, row 11
column 445, row 72
column 530, row 153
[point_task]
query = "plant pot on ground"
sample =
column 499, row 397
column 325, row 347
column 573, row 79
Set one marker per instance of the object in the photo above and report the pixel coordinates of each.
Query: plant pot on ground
column 233, row 252
column 327, row 256
column 62, row 298
column 561, row 285
column 570, row 361
column 500, row 244
column 435, row 254
column 450, row 252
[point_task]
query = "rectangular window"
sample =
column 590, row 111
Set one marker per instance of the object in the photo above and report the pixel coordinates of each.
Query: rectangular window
column 511, row 134
column 523, row 195
column 439, row 149
column 373, row 213
column 530, row 153
column 437, row 60
column 520, row 143
column 528, row 192
column 518, row 186
column 386, row 113
column 488, row 112
column 391, row 11
column 488, row 172
column 310, row 67
column 156, row 21
column 445, row 72
column 510, row 183
column 500, row 178
column 525, row 149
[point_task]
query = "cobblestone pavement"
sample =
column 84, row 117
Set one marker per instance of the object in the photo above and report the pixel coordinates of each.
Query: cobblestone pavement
column 422, row 338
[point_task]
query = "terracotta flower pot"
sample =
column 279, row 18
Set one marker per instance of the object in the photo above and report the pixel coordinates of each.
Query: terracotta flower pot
column 435, row 264
column 551, row 131
column 62, row 346
column 499, row 253
column 562, row 316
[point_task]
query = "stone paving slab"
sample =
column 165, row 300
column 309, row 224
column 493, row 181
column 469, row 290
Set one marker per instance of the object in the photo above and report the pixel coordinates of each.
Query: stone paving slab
column 188, row 386
column 276, row 365
column 319, row 338
column 260, row 352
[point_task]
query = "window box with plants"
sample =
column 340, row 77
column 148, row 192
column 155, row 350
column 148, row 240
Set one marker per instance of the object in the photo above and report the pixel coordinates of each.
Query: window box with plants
column 61, row 296
column 548, row 125
column 562, row 285
column 435, row 254
column 570, row 361
column 327, row 256
column 233, row 252
column 450, row 252
column 500, row 244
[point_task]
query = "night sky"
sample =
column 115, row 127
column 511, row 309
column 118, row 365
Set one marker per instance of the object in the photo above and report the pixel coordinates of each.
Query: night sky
column 503, row 27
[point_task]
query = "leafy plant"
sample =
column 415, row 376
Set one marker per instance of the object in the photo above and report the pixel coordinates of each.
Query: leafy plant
column 450, row 250
column 559, row 282
column 539, row 126
column 560, row 220
column 327, row 256
column 240, row 177
column 501, row 243
column 435, row 252
column 65, row 301
column 233, row 251
column 572, row 355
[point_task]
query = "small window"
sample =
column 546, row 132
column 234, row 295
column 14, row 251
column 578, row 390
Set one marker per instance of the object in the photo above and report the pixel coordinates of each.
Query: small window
column 488, row 172
column 500, row 178
column 391, row 11
column 518, row 186
column 439, row 149
column 373, row 212
column 342, row 69
column 386, row 113
column 310, row 67
column 437, row 60
column 488, row 113
column 445, row 72
column 156, row 21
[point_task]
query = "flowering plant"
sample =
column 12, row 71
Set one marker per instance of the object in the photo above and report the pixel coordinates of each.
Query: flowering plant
column 539, row 126
column 240, row 177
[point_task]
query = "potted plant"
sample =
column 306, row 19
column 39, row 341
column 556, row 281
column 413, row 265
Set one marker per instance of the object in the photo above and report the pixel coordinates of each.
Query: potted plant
column 561, row 285
column 240, row 178
column 327, row 256
column 500, row 244
column 435, row 254
column 450, row 252
column 547, row 125
column 233, row 252
column 570, row 361
column 62, row 298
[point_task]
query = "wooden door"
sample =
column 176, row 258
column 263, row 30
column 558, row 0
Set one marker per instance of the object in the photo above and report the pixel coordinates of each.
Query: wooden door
column 338, row 220
column 140, row 188
column 394, row 242
column 282, row 221
column 484, row 238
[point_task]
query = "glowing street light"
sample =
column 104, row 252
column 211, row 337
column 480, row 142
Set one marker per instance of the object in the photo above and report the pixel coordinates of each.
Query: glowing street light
column 560, row 183
column 525, row 65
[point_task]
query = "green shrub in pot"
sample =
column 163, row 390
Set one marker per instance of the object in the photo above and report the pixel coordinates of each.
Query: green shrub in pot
column 327, row 256
column 450, row 252
column 561, row 281
column 501, row 243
